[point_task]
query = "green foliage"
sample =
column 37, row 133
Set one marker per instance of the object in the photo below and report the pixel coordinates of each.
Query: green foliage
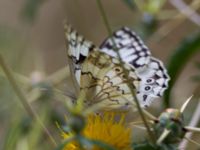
column 149, row 24
column 30, row 10
column 197, row 77
column 189, row 47
column 130, row 4
column 23, row 132
column 151, row 7
column 12, row 135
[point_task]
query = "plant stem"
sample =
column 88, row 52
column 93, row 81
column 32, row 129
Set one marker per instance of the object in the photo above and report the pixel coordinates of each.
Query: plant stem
column 104, row 17
column 23, row 98
column 184, row 9
column 172, row 24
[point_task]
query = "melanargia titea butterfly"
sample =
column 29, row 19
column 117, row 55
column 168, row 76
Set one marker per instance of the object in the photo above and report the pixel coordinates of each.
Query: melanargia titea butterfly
column 98, row 72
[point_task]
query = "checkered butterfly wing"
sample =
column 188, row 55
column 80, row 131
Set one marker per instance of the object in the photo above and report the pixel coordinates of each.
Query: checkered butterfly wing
column 99, row 75
column 154, row 77
column 131, row 48
column 78, row 50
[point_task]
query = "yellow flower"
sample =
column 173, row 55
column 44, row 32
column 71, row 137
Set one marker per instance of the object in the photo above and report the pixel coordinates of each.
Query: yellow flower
column 106, row 129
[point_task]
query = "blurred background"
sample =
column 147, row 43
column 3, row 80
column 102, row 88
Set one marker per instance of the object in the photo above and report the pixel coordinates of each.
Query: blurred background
column 32, row 44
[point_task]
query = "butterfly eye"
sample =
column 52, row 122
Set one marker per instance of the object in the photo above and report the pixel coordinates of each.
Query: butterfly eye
column 150, row 81
column 147, row 88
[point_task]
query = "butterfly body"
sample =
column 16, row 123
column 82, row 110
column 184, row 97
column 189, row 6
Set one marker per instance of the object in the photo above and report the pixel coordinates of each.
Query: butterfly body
column 99, row 74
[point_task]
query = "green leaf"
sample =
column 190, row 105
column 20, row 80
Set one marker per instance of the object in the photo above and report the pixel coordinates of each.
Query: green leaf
column 179, row 59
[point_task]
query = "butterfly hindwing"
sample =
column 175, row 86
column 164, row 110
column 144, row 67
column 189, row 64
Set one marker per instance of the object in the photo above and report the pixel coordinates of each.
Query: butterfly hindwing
column 154, row 81
column 104, row 82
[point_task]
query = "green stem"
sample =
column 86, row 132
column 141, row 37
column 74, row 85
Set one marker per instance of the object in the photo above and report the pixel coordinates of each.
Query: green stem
column 23, row 99
column 104, row 17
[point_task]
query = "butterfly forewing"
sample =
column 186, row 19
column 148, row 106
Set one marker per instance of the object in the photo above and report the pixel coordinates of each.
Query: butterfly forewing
column 131, row 48
column 78, row 50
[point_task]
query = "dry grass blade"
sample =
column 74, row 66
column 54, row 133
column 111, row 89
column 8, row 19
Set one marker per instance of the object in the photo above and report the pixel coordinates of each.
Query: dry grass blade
column 23, row 98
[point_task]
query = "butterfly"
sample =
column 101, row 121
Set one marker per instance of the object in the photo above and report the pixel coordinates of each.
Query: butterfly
column 98, row 72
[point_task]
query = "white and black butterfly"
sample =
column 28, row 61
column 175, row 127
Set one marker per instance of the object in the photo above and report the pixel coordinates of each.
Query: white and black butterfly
column 98, row 72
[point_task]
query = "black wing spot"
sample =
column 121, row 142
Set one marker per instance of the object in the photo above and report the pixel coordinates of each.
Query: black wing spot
column 81, row 58
column 147, row 88
column 144, row 98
